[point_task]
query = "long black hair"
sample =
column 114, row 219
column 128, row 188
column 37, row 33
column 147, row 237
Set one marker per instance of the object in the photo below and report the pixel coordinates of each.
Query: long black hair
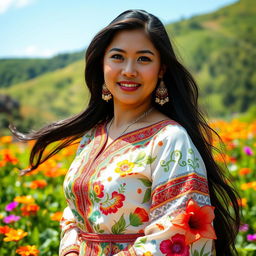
column 182, row 107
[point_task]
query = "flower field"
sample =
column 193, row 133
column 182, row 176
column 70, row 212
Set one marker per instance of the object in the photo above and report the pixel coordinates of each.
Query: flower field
column 31, row 206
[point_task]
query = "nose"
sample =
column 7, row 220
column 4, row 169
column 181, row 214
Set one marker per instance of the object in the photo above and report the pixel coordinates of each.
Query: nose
column 129, row 69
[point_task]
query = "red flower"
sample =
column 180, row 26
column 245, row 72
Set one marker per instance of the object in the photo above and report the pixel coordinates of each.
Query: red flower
column 196, row 221
column 111, row 205
column 98, row 189
column 138, row 217
column 142, row 214
column 5, row 229
column 175, row 246
column 30, row 209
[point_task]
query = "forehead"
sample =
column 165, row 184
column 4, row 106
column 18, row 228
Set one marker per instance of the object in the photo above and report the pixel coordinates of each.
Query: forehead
column 132, row 40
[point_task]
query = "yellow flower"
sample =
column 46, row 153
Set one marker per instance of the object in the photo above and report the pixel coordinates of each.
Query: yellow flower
column 148, row 253
column 15, row 235
column 24, row 199
column 124, row 167
column 28, row 250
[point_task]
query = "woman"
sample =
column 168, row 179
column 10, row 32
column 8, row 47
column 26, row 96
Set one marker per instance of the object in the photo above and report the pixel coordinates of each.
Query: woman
column 144, row 181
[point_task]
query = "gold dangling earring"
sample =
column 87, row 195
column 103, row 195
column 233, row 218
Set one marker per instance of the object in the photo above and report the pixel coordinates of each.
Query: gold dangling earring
column 161, row 94
column 106, row 94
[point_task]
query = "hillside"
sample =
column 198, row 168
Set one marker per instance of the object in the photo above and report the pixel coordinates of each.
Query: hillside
column 218, row 48
column 54, row 95
column 13, row 71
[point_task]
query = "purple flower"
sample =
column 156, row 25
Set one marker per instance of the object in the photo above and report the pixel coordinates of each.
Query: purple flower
column 11, row 218
column 11, row 206
column 251, row 237
column 244, row 227
column 248, row 151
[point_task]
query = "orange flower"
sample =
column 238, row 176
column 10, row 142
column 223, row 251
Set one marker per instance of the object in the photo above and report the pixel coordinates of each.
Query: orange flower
column 24, row 199
column 56, row 216
column 248, row 185
column 38, row 184
column 196, row 221
column 27, row 250
column 5, row 229
column 242, row 202
column 30, row 209
column 6, row 139
column 15, row 235
column 8, row 157
column 244, row 171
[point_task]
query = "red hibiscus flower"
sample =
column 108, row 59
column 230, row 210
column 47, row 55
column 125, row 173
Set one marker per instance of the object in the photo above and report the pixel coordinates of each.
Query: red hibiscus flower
column 175, row 246
column 98, row 189
column 196, row 221
column 111, row 205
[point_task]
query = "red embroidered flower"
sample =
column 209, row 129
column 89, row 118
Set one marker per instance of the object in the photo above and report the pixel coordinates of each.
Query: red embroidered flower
column 175, row 246
column 111, row 205
column 138, row 217
column 98, row 189
column 142, row 214
column 196, row 221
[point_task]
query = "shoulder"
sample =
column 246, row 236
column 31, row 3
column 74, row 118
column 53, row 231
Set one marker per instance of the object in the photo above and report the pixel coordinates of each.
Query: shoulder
column 173, row 131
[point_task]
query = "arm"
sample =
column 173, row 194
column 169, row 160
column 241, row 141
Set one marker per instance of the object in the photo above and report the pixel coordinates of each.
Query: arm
column 69, row 244
column 179, row 191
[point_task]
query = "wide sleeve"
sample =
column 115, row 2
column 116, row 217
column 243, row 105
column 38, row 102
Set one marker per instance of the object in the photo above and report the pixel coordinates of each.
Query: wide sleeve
column 69, row 241
column 180, row 214
column 69, row 233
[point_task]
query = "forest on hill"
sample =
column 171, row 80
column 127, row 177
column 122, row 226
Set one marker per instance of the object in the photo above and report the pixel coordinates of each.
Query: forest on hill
column 218, row 48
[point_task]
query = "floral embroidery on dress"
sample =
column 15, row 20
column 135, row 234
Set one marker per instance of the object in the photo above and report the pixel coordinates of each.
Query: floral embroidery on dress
column 151, row 183
column 111, row 205
column 175, row 246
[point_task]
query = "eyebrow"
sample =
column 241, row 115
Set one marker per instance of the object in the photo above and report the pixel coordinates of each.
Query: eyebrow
column 141, row 51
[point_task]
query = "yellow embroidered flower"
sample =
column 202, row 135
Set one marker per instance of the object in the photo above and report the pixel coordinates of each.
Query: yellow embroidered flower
column 148, row 253
column 124, row 167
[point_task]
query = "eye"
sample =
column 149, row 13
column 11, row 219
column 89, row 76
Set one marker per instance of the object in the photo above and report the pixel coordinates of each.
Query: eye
column 117, row 57
column 144, row 59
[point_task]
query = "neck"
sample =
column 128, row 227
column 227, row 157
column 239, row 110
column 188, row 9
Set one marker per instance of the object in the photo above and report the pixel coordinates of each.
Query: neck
column 124, row 115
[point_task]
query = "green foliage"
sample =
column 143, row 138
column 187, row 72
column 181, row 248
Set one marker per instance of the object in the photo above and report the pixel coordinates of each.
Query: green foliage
column 219, row 50
column 13, row 71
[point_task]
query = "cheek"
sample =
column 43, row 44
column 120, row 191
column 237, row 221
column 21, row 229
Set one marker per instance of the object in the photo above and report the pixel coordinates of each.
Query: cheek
column 151, row 73
column 109, row 70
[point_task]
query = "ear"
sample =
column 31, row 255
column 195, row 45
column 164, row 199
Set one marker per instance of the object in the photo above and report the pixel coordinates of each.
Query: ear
column 162, row 71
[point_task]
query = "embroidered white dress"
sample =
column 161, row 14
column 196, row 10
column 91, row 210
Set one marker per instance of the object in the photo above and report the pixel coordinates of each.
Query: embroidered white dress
column 136, row 196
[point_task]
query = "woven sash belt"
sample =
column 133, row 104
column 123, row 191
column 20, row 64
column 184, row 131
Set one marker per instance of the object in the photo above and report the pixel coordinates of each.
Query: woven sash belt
column 109, row 238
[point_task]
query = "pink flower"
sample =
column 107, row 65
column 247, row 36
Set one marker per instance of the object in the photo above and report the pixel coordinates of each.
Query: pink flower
column 11, row 206
column 11, row 218
column 175, row 246
column 244, row 228
column 248, row 151
column 251, row 237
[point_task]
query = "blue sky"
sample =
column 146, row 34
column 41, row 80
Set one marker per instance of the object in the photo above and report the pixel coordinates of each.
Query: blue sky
column 43, row 28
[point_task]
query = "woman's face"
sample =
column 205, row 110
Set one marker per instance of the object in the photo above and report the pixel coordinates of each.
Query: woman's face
column 131, row 68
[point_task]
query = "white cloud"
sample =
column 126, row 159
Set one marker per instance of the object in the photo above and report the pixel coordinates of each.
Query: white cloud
column 5, row 5
column 34, row 51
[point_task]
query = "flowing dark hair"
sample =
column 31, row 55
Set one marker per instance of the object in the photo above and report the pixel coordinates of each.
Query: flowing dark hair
column 182, row 107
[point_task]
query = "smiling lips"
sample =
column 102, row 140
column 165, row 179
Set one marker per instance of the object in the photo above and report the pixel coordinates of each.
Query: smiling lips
column 128, row 85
